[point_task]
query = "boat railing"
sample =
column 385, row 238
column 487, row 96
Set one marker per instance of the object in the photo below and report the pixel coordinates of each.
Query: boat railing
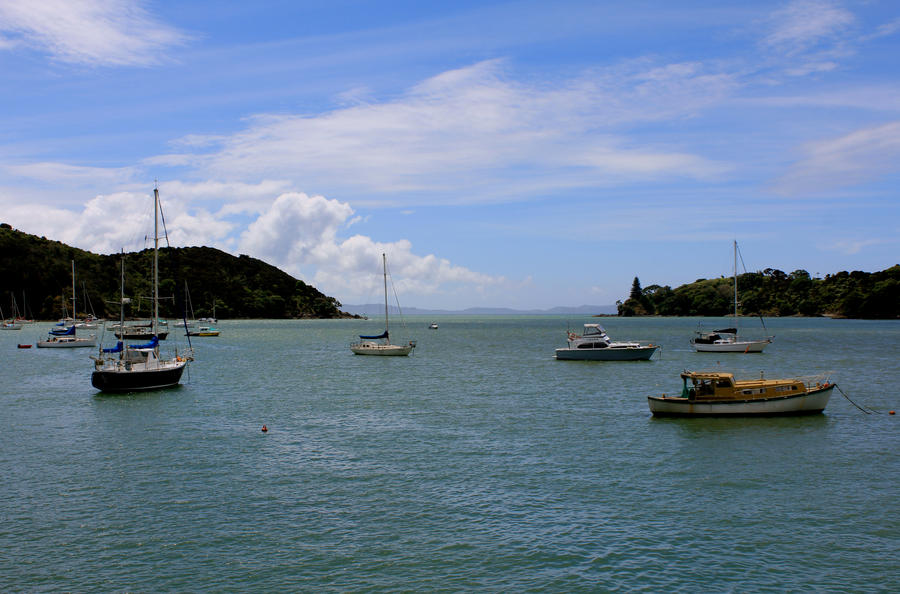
column 816, row 380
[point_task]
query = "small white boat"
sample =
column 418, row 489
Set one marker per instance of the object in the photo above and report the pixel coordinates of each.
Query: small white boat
column 719, row 394
column 67, row 340
column 202, row 331
column 372, row 345
column 433, row 326
column 727, row 340
column 595, row 345
column 63, row 336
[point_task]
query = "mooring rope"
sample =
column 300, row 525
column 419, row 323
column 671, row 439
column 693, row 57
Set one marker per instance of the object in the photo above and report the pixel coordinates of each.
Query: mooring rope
column 850, row 401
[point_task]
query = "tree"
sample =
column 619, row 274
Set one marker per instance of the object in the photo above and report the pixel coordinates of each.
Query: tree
column 636, row 292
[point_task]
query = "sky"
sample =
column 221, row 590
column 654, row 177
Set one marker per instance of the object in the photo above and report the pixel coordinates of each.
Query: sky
column 522, row 154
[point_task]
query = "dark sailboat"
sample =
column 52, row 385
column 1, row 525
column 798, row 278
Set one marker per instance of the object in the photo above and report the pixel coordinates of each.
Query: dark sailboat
column 127, row 368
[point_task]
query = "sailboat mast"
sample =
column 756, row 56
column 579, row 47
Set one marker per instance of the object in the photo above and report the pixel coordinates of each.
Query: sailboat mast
column 155, row 259
column 122, row 304
column 384, row 263
column 74, row 317
column 735, row 285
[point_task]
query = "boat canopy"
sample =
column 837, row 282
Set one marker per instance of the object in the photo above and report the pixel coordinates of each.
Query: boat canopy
column 154, row 342
column 706, row 375
column 70, row 331
column 727, row 331
column 382, row 335
column 116, row 349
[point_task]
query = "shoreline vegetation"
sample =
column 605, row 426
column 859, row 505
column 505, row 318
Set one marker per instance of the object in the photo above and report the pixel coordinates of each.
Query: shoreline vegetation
column 37, row 272
column 772, row 293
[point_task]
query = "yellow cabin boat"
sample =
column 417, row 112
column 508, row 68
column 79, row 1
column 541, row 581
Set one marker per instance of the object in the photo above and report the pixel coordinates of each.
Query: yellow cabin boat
column 719, row 394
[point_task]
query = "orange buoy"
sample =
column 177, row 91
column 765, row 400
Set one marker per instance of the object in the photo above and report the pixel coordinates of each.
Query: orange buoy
column 890, row 413
column 264, row 429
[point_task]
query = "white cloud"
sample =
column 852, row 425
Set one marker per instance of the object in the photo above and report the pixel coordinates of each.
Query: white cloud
column 299, row 233
column 885, row 30
column 803, row 24
column 859, row 157
column 852, row 247
column 809, row 37
column 69, row 175
column 474, row 128
column 294, row 228
column 89, row 32
column 109, row 223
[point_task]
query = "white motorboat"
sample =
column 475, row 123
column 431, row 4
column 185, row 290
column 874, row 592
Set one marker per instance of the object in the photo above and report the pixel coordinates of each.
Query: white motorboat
column 595, row 345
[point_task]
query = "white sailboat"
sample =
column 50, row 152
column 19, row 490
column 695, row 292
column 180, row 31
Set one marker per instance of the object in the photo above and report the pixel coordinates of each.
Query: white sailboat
column 381, row 343
column 727, row 340
column 67, row 338
column 140, row 367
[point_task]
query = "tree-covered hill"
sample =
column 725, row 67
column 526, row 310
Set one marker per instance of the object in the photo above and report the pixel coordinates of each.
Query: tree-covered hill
column 856, row 294
column 37, row 272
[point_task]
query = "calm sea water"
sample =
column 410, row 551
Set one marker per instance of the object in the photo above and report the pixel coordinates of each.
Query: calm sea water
column 479, row 463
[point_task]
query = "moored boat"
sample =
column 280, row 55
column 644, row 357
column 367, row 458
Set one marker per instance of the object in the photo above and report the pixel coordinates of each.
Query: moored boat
column 138, row 332
column 595, row 345
column 370, row 345
column 67, row 340
column 63, row 335
column 719, row 394
column 127, row 368
column 202, row 331
column 727, row 340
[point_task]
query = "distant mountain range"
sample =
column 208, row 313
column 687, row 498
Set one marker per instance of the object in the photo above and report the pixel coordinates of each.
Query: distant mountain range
column 374, row 309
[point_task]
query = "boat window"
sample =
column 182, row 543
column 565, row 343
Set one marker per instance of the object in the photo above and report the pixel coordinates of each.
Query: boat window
column 723, row 383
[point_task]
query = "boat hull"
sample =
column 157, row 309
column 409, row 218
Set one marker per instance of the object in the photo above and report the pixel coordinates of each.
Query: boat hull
column 809, row 403
column 140, row 335
column 382, row 350
column 740, row 346
column 67, row 344
column 122, row 380
column 607, row 354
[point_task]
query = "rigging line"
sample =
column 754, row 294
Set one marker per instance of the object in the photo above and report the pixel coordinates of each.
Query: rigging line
column 165, row 231
column 850, row 401
column 741, row 256
column 396, row 299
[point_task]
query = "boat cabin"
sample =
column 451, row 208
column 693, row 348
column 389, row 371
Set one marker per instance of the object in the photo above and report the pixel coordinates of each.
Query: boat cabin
column 723, row 386
column 716, row 336
column 593, row 337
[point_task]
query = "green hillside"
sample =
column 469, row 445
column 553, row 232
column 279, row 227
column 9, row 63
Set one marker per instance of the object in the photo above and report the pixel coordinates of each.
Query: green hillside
column 871, row 295
column 38, row 273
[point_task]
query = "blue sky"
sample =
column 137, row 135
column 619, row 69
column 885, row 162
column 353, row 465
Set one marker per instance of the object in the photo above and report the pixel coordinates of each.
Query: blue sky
column 503, row 154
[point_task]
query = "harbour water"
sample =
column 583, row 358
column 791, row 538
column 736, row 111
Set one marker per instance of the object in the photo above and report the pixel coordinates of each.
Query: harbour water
column 478, row 464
